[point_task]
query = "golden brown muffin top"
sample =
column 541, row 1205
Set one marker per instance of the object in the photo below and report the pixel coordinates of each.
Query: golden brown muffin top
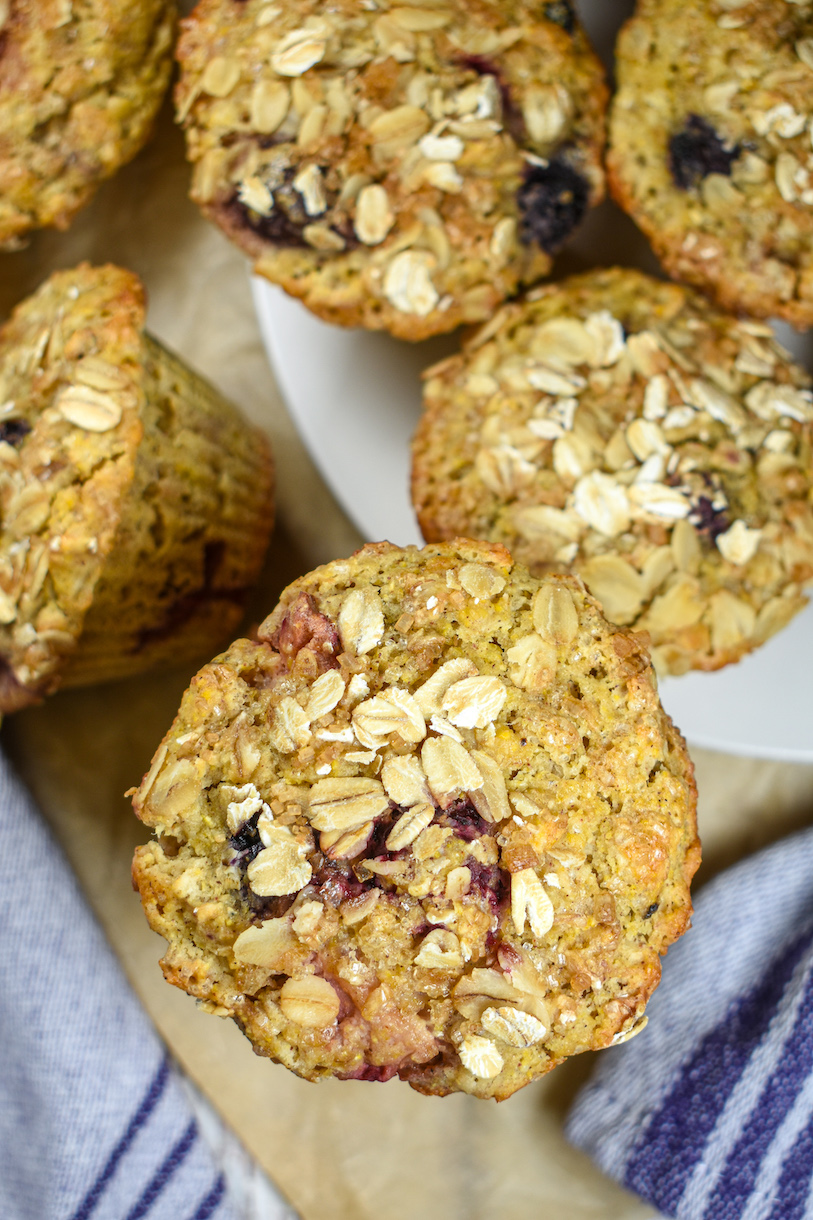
column 71, row 401
column 80, row 83
column 397, row 166
column 622, row 428
column 433, row 822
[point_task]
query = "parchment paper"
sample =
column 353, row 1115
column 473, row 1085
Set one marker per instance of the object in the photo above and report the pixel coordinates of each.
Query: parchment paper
column 341, row 1150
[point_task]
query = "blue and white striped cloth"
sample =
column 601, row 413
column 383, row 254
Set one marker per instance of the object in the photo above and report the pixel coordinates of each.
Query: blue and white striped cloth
column 95, row 1122
column 708, row 1114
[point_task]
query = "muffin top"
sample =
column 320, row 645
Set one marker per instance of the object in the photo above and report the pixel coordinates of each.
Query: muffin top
column 432, row 822
column 79, row 88
column 395, row 166
column 622, row 428
column 710, row 146
column 70, row 424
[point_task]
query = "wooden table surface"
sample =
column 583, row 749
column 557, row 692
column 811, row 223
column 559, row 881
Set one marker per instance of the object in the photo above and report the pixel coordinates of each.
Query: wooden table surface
column 337, row 1150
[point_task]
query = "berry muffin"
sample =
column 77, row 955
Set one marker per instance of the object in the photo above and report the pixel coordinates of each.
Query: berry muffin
column 398, row 167
column 622, row 428
column 135, row 502
column 710, row 146
column 432, row 822
column 80, row 85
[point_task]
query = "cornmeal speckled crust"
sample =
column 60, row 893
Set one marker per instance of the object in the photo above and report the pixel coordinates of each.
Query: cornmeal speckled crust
column 623, row 428
column 135, row 502
column 80, row 84
column 710, row 146
column 399, row 167
column 434, row 822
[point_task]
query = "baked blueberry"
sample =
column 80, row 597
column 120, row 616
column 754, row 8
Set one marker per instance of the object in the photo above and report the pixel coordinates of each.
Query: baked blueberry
column 697, row 151
column 552, row 201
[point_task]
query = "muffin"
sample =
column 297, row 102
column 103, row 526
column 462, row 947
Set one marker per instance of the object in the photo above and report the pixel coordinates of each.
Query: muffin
column 710, row 147
column 396, row 167
column 79, row 88
column 622, row 428
column 136, row 502
column 432, row 822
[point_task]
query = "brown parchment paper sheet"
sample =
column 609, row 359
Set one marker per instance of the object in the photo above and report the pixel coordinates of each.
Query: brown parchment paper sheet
column 338, row 1151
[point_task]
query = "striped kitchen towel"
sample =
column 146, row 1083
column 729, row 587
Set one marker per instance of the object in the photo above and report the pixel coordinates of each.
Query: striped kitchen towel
column 709, row 1113
column 95, row 1121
